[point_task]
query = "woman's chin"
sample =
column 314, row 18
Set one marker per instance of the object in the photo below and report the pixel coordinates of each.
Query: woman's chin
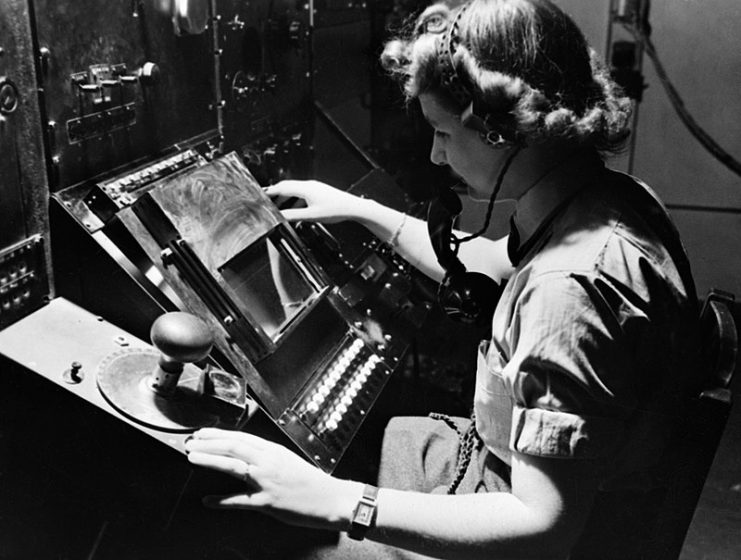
column 483, row 196
column 476, row 194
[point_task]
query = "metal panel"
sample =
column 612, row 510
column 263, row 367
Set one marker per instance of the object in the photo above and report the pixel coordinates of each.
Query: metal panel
column 75, row 336
column 25, row 263
column 24, row 283
column 119, row 84
column 265, row 71
column 22, row 183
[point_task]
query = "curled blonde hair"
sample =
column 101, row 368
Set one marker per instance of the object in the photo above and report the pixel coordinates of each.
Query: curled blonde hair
column 524, row 61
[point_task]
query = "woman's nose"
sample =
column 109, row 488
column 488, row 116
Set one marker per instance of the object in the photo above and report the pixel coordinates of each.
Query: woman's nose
column 437, row 153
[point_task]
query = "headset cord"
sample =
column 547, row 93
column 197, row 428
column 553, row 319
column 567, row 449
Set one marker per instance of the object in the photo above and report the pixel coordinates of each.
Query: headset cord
column 492, row 199
column 469, row 441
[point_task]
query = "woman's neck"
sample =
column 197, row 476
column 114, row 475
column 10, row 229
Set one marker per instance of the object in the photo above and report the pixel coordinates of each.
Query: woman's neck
column 534, row 163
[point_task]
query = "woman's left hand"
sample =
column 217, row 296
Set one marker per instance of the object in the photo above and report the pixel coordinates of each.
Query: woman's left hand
column 277, row 481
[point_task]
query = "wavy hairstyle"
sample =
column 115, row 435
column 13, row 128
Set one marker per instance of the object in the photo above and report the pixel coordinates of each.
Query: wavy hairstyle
column 524, row 61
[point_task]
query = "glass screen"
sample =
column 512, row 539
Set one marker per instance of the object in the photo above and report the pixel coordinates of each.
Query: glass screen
column 267, row 285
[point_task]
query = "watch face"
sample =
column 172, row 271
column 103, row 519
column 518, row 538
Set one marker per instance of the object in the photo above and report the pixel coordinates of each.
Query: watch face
column 363, row 514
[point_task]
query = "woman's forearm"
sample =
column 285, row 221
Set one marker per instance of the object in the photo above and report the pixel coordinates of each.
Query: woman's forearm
column 486, row 525
column 541, row 518
column 406, row 234
column 410, row 239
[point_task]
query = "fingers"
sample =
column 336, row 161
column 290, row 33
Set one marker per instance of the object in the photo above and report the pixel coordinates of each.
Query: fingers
column 293, row 189
column 299, row 214
column 289, row 189
column 232, row 501
column 217, row 433
column 225, row 443
column 227, row 465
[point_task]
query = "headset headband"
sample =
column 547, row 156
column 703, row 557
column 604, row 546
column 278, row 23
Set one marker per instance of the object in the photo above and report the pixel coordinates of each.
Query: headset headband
column 446, row 48
column 474, row 116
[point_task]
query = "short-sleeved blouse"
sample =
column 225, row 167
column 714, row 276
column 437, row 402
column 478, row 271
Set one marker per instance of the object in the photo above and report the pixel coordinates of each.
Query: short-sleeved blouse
column 592, row 346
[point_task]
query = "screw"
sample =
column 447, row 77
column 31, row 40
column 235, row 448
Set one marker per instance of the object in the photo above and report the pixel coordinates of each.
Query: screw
column 8, row 97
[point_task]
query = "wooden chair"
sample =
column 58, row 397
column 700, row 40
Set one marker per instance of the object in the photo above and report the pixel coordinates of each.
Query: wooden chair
column 653, row 525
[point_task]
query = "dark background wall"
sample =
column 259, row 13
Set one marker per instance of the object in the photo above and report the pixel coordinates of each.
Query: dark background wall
column 699, row 46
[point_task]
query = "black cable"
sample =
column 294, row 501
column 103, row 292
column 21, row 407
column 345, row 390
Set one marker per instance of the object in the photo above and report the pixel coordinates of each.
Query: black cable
column 492, row 199
column 468, row 442
column 697, row 131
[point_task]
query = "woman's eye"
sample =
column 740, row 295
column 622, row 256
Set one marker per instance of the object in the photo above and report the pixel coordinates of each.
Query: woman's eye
column 441, row 134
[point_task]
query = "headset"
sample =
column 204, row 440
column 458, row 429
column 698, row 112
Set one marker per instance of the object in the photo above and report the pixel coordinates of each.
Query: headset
column 467, row 297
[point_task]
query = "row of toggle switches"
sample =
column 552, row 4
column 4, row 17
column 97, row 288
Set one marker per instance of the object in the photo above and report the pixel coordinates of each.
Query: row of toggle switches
column 123, row 189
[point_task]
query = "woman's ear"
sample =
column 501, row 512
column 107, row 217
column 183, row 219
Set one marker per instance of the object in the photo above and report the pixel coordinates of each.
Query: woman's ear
column 474, row 118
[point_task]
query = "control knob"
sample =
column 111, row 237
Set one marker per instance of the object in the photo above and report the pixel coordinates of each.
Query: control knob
column 149, row 74
column 181, row 338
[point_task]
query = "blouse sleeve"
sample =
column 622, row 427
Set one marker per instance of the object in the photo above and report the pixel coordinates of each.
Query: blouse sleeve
column 571, row 366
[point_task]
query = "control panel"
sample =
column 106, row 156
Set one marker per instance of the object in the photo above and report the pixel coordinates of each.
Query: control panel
column 123, row 190
column 23, row 280
column 333, row 406
column 111, row 89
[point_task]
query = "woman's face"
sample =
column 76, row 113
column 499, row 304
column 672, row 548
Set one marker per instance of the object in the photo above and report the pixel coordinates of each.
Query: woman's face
column 462, row 149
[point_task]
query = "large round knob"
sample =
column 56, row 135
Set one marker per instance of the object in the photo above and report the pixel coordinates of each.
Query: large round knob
column 149, row 74
column 180, row 337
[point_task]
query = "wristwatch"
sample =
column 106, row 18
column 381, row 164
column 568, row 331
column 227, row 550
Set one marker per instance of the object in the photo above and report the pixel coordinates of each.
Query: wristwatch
column 364, row 514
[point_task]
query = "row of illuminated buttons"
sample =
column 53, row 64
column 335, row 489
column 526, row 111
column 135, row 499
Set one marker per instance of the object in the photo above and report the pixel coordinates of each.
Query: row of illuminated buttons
column 342, row 362
column 333, row 375
column 334, row 414
column 322, row 393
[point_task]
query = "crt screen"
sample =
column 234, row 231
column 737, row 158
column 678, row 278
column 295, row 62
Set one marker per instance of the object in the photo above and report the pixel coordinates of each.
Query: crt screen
column 267, row 286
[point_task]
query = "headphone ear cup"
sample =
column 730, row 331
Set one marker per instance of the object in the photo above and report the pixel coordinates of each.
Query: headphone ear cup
column 470, row 298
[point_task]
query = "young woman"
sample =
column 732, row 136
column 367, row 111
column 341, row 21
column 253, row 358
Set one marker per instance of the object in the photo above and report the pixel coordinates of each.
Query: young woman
column 591, row 346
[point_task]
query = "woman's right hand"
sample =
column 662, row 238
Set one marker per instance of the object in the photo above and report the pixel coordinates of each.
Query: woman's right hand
column 324, row 204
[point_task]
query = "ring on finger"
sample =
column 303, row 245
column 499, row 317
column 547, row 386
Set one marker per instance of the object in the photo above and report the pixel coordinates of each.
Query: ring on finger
column 246, row 473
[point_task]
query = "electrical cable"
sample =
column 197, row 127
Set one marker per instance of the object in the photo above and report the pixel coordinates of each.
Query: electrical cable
column 697, row 131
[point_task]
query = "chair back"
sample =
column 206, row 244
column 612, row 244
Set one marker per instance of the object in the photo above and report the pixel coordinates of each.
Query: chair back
column 699, row 442
column 652, row 525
